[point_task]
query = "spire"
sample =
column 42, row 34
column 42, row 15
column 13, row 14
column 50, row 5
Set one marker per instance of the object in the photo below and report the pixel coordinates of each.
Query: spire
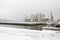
column 52, row 19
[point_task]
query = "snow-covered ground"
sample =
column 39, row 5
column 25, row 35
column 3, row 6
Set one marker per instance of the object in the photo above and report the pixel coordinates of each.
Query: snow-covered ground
column 7, row 33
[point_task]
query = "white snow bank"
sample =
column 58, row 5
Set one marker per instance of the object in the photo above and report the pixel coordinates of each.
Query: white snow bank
column 7, row 33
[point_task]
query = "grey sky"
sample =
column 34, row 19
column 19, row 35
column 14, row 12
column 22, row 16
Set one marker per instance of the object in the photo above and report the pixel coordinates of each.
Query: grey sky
column 16, row 9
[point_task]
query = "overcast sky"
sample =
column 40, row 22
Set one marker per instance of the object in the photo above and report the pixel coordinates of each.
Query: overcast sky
column 16, row 9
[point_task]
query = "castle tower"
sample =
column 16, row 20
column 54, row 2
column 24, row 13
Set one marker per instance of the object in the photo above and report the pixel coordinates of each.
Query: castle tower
column 52, row 19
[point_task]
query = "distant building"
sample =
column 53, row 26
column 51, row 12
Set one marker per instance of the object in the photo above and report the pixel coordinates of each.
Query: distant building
column 39, row 18
column 46, row 19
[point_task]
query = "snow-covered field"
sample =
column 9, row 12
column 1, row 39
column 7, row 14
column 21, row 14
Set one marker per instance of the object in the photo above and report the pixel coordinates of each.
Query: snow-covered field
column 7, row 33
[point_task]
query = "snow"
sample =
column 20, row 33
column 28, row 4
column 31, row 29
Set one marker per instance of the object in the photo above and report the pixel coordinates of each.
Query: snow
column 7, row 33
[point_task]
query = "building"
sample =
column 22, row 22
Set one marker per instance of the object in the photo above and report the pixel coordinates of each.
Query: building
column 39, row 18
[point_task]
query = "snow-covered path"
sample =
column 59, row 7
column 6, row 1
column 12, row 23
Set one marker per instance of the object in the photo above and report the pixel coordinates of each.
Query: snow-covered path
column 7, row 33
